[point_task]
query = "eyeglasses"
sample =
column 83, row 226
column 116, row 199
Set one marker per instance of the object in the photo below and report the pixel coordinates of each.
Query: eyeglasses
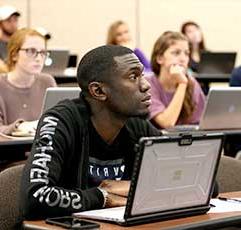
column 33, row 53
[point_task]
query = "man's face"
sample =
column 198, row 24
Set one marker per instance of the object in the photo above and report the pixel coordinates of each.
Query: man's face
column 128, row 90
column 10, row 25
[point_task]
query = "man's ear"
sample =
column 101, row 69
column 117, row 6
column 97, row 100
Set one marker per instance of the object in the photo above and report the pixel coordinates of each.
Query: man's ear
column 159, row 59
column 97, row 90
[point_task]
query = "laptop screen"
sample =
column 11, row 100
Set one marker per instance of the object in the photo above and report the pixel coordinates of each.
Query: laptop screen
column 222, row 110
column 57, row 62
column 174, row 176
column 55, row 94
column 216, row 62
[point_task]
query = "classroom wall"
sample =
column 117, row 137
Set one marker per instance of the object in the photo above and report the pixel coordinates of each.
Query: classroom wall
column 81, row 25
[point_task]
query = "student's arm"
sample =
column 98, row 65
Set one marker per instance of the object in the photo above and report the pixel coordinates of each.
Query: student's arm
column 141, row 56
column 117, row 192
column 41, row 193
column 3, row 66
column 4, row 127
column 168, row 117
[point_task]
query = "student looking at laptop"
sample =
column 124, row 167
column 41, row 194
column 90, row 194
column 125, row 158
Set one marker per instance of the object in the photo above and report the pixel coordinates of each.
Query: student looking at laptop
column 83, row 153
column 177, row 97
column 22, row 89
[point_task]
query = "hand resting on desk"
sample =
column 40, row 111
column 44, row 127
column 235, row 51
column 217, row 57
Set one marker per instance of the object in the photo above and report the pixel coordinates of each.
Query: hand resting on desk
column 26, row 128
column 117, row 192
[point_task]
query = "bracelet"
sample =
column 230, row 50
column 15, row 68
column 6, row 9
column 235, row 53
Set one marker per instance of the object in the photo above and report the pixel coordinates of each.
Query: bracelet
column 105, row 194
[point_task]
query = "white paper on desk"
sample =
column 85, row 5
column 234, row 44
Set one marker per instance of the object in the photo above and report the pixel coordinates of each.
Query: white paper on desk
column 112, row 214
column 225, row 206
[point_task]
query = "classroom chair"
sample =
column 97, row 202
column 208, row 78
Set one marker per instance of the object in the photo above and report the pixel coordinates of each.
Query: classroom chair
column 9, row 200
column 228, row 175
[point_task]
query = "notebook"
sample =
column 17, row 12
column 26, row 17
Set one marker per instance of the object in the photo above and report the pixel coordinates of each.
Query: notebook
column 55, row 94
column 172, row 177
column 56, row 62
column 216, row 62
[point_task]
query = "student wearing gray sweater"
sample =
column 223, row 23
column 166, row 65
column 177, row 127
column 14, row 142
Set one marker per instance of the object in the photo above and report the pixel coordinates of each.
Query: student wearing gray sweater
column 22, row 88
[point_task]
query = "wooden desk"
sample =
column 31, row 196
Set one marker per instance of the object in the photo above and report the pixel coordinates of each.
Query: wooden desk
column 213, row 220
column 14, row 149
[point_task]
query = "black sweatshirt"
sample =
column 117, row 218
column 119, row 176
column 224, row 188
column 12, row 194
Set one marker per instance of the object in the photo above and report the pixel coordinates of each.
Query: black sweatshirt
column 55, row 178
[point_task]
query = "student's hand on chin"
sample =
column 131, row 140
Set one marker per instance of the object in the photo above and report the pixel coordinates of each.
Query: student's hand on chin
column 179, row 73
column 120, row 187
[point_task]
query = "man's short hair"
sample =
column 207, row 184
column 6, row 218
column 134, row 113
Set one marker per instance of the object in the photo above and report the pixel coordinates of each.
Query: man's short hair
column 99, row 65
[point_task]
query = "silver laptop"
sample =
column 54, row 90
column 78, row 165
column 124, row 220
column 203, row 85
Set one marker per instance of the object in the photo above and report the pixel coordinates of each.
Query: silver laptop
column 56, row 62
column 222, row 112
column 55, row 94
column 173, row 177
column 223, row 109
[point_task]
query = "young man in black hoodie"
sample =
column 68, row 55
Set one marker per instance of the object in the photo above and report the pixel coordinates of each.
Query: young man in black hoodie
column 84, row 149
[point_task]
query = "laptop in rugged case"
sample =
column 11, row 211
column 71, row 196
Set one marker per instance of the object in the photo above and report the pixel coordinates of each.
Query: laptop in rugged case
column 172, row 177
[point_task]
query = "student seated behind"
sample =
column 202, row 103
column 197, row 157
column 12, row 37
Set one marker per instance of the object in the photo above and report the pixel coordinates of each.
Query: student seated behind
column 176, row 96
column 8, row 25
column 196, row 40
column 22, row 89
column 118, row 34
column 83, row 153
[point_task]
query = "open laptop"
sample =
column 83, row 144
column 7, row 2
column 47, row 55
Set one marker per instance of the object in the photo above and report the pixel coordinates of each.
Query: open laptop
column 56, row 62
column 55, row 94
column 52, row 96
column 172, row 177
column 216, row 62
column 223, row 109
column 222, row 112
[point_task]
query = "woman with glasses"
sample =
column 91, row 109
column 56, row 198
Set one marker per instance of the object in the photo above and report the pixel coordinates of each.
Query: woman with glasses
column 176, row 96
column 23, row 87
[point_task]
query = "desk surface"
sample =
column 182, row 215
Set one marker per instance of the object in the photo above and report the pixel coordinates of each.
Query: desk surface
column 4, row 140
column 200, row 221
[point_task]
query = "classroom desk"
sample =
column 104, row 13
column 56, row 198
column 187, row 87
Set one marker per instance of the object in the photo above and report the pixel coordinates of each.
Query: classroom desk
column 14, row 149
column 211, row 220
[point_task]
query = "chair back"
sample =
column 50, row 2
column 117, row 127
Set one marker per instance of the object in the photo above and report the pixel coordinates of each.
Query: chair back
column 228, row 176
column 9, row 197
